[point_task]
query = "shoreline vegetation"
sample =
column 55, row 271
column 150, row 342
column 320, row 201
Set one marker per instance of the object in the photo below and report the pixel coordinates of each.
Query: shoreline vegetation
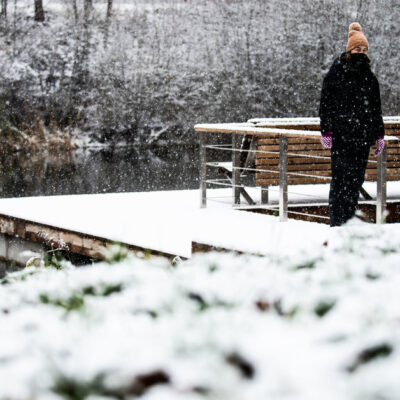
column 38, row 137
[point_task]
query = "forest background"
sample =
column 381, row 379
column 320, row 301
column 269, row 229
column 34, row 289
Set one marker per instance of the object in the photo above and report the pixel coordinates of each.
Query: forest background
column 140, row 71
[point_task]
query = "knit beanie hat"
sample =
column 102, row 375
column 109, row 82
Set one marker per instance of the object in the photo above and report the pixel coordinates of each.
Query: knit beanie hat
column 356, row 37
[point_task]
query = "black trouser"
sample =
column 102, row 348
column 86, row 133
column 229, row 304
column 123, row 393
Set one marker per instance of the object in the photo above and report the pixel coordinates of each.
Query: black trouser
column 348, row 170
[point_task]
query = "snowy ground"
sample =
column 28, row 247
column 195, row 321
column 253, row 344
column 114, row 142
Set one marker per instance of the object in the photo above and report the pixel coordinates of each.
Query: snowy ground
column 322, row 323
column 170, row 221
column 315, row 317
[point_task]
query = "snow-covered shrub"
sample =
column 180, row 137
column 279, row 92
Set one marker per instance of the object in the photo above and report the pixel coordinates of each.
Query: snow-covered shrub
column 321, row 324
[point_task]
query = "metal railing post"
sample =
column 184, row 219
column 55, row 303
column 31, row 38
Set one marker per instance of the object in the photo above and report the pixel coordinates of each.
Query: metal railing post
column 283, row 178
column 381, row 189
column 203, row 171
column 264, row 195
column 235, row 168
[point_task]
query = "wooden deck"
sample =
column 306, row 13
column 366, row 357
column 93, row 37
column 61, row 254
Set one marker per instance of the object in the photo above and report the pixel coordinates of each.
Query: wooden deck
column 60, row 239
column 159, row 223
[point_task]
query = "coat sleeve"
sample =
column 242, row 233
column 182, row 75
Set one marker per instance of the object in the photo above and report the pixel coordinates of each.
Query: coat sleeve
column 378, row 111
column 328, row 104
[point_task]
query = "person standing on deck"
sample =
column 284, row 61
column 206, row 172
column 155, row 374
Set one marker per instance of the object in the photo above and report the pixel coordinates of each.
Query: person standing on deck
column 351, row 122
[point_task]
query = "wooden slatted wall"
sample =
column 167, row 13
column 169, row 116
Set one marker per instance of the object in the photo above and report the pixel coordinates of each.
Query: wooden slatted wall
column 318, row 168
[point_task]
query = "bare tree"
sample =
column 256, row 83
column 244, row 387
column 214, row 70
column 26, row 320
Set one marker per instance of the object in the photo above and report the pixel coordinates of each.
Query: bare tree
column 39, row 12
column 87, row 8
column 107, row 22
column 75, row 7
column 4, row 8
column 109, row 8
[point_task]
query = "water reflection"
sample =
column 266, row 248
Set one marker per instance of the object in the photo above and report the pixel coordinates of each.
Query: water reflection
column 42, row 173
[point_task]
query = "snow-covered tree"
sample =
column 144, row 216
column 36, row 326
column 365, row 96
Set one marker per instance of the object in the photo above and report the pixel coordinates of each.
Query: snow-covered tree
column 155, row 68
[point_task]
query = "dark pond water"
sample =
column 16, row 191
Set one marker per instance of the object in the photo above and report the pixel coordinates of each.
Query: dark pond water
column 99, row 171
column 45, row 173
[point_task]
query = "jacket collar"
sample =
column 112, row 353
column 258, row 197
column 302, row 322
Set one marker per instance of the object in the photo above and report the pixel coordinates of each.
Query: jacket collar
column 355, row 62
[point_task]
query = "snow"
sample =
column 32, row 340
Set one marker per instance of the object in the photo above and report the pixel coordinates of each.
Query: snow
column 166, row 221
column 248, row 129
column 299, row 323
column 218, row 326
column 170, row 221
column 308, row 120
column 178, row 51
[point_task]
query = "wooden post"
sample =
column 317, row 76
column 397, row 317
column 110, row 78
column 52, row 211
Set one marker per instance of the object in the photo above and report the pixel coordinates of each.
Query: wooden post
column 203, row 170
column 381, row 189
column 283, row 178
column 236, row 168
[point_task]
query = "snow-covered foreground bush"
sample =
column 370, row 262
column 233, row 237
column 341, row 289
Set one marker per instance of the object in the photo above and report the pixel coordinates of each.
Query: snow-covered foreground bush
column 324, row 325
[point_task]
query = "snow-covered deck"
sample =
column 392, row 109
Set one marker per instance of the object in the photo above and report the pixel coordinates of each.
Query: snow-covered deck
column 171, row 221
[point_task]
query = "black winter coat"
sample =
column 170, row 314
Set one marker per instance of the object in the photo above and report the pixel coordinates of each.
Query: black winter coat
column 350, row 105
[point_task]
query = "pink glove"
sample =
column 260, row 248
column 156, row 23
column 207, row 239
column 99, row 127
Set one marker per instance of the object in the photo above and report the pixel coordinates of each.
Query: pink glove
column 326, row 140
column 380, row 145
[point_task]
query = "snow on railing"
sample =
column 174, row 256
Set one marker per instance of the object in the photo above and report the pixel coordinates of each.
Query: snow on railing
column 250, row 129
column 308, row 120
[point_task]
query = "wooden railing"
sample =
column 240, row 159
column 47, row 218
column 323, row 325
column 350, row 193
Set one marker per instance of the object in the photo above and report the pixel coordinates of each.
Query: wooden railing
column 288, row 151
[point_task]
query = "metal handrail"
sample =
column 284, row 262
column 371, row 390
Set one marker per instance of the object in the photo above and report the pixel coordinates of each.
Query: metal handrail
column 283, row 172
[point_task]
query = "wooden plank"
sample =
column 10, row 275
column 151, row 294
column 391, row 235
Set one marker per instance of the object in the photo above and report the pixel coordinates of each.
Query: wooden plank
column 389, row 122
column 300, row 162
column 392, row 120
column 312, row 156
column 7, row 226
column 73, row 241
column 394, row 129
column 393, row 154
column 294, row 181
column 323, row 171
column 296, row 153
column 391, row 170
column 305, row 181
column 19, row 229
column 299, row 167
column 59, row 238
column 392, row 163
column 316, row 146
column 262, row 177
column 293, row 147
column 308, row 127
column 326, row 172
column 391, row 129
column 291, row 161
column 392, row 126
column 296, row 140
column 294, row 120
column 246, row 130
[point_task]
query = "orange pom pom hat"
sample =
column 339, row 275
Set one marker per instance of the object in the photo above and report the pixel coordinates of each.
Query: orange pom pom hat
column 356, row 37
